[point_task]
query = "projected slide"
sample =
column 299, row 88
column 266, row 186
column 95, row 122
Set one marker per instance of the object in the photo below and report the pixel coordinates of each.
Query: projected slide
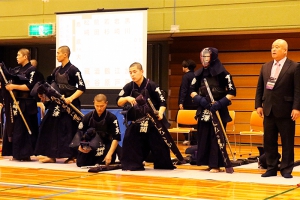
column 104, row 44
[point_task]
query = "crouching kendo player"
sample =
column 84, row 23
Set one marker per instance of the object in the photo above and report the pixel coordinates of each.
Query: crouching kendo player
column 99, row 126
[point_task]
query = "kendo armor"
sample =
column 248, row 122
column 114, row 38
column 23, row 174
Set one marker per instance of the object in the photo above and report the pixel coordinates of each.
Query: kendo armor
column 62, row 81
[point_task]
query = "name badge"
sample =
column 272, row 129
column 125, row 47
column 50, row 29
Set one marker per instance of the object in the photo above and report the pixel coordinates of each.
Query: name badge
column 271, row 83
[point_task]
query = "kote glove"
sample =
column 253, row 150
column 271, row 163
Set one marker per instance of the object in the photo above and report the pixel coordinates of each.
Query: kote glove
column 217, row 105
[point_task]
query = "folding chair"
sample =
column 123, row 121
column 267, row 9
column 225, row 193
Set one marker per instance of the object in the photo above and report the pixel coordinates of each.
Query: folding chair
column 256, row 128
column 186, row 118
column 230, row 128
column 1, row 124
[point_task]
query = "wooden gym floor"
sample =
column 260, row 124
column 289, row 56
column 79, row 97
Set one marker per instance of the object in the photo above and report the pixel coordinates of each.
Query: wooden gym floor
column 29, row 183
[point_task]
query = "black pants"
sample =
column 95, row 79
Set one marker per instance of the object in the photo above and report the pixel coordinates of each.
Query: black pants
column 286, row 128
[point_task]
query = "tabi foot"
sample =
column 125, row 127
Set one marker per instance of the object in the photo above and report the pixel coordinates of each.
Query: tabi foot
column 47, row 160
column 207, row 169
column 70, row 160
column 216, row 170
column 25, row 159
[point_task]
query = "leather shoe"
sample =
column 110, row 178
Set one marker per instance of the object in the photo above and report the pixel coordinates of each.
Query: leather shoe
column 287, row 175
column 269, row 173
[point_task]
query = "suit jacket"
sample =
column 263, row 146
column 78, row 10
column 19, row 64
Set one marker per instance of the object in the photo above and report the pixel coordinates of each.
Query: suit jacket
column 285, row 96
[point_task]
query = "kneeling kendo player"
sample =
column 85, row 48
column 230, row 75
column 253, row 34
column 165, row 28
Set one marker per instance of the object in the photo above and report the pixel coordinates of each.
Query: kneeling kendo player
column 98, row 136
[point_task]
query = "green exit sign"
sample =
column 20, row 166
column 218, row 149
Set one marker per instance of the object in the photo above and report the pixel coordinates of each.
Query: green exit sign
column 41, row 30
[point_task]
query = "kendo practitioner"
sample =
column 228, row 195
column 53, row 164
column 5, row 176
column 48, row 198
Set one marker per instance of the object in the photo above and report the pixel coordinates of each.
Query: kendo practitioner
column 223, row 90
column 20, row 133
column 57, row 128
column 102, row 122
column 141, row 136
column 40, row 77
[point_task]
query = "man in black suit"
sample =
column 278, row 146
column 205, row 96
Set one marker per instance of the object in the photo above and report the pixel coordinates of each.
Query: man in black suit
column 185, row 101
column 278, row 101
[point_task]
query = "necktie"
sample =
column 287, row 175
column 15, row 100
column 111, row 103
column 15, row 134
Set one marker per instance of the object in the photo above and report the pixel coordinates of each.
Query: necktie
column 277, row 70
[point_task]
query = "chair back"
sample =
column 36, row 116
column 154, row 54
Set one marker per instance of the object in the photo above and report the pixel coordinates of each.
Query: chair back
column 186, row 117
column 231, row 125
column 256, row 122
column 232, row 115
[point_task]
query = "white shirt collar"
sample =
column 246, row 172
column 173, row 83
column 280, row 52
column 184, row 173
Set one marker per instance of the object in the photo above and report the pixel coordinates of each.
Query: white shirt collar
column 281, row 62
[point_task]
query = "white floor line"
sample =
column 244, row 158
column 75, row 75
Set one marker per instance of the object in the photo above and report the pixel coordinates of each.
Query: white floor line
column 177, row 173
column 101, row 191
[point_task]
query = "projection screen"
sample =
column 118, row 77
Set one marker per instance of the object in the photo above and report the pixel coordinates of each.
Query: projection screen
column 104, row 43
